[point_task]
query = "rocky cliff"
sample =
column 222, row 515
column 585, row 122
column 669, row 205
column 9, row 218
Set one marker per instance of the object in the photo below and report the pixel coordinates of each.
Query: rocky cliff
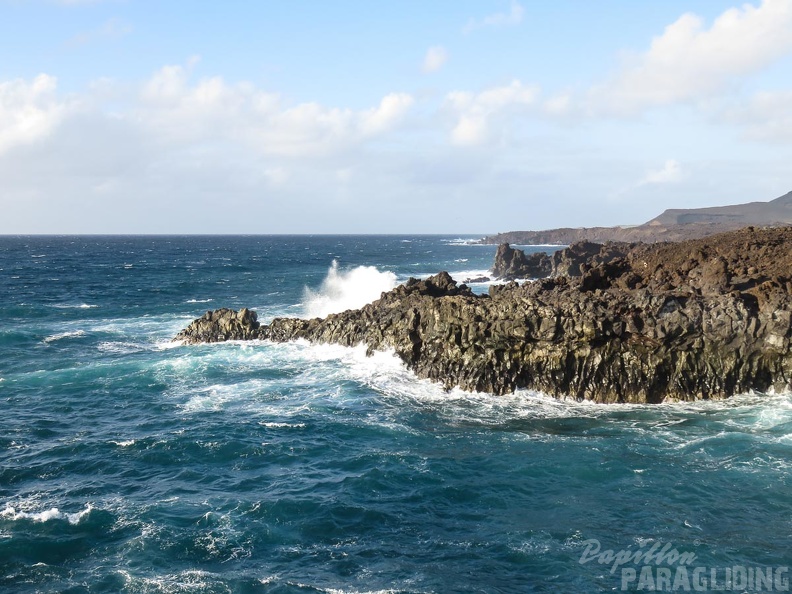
column 699, row 319
column 513, row 264
column 678, row 224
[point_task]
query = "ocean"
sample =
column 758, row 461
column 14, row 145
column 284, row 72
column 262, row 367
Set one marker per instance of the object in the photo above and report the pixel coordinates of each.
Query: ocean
column 129, row 464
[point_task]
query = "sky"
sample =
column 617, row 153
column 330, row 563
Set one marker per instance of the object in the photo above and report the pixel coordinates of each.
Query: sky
column 452, row 117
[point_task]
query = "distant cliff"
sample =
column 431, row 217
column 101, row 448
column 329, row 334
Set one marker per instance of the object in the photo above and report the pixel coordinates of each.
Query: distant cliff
column 673, row 225
column 706, row 318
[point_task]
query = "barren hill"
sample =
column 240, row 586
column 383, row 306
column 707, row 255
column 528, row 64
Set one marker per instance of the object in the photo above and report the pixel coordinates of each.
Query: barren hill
column 674, row 224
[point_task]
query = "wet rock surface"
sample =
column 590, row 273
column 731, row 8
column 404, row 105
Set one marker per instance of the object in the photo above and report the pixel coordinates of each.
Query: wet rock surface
column 705, row 318
column 221, row 325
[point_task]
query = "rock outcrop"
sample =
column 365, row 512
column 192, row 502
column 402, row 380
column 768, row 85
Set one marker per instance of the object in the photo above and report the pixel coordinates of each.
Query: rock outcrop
column 221, row 325
column 511, row 264
column 514, row 264
column 700, row 319
column 578, row 257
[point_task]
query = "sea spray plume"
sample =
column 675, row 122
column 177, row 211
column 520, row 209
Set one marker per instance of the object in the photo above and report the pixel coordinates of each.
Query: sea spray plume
column 347, row 289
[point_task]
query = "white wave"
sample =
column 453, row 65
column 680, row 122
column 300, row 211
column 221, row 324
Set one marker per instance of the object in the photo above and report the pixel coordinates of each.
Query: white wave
column 75, row 306
column 272, row 425
column 347, row 289
column 155, row 328
column 462, row 241
column 218, row 396
column 62, row 335
column 121, row 348
column 321, row 371
column 53, row 513
column 166, row 345
column 338, row 591
column 461, row 275
column 191, row 580
column 199, row 300
column 123, row 444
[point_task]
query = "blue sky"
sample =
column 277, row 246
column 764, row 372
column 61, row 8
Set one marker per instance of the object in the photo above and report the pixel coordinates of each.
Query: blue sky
column 124, row 116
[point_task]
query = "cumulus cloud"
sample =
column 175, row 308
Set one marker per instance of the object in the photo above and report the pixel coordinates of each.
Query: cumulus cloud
column 474, row 112
column 175, row 144
column 29, row 111
column 670, row 173
column 435, row 58
column 499, row 19
column 690, row 61
column 176, row 110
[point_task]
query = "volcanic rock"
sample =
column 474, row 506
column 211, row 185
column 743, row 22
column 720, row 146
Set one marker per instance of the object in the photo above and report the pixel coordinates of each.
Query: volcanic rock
column 513, row 264
column 221, row 325
column 699, row 319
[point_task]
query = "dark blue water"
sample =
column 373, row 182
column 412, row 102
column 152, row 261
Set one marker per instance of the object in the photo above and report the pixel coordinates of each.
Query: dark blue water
column 131, row 465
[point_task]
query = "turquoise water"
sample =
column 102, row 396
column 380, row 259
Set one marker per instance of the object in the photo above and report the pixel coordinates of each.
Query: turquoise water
column 128, row 464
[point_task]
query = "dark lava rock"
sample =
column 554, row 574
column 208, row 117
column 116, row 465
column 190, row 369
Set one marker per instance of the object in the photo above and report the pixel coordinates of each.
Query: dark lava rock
column 704, row 318
column 221, row 325
column 512, row 264
column 578, row 257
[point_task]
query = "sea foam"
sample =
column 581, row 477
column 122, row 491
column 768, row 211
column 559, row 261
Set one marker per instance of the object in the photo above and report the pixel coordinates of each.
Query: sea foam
column 53, row 513
column 62, row 335
column 347, row 289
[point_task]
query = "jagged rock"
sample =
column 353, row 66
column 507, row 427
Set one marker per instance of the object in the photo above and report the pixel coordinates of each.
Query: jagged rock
column 477, row 279
column 698, row 319
column 575, row 259
column 221, row 325
column 512, row 264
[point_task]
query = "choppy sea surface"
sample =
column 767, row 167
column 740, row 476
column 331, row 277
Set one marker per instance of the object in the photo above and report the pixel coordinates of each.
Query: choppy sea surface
column 131, row 465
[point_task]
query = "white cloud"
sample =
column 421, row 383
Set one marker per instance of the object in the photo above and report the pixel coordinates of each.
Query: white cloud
column 276, row 175
column 383, row 117
column 211, row 110
column 475, row 112
column 558, row 105
column 111, row 29
column 499, row 19
column 435, row 58
column 669, row 174
column 29, row 111
column 178, row 144
column 689, row 62
column 765, row 117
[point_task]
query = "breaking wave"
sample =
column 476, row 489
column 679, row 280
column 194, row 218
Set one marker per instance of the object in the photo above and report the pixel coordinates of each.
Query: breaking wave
column 10, row 513
column 347, row 289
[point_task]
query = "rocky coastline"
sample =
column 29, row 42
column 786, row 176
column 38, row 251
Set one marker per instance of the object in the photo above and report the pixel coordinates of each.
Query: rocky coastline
column 643, row 323
column 676, row 224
